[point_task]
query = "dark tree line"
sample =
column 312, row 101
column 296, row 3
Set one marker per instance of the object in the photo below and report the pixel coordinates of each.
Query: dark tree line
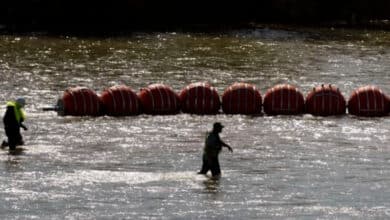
column 122, row 14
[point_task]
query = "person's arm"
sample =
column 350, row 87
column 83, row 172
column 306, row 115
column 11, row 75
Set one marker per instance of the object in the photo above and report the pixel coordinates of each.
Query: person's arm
column 22, row 120
column 23, row 126
column 227, row 146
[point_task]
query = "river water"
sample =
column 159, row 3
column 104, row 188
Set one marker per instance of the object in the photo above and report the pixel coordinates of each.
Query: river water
column 144, row 167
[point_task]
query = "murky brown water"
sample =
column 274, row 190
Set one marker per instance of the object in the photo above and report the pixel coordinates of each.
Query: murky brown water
column 143, row 167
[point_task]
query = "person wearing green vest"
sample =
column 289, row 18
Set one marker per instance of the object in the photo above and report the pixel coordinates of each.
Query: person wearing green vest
column 13, row 118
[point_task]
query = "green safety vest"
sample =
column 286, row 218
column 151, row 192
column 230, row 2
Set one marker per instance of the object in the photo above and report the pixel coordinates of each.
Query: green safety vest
column 19, row 113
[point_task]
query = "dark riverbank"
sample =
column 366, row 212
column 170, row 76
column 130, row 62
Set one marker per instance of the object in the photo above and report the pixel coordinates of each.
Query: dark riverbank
column 87, row 15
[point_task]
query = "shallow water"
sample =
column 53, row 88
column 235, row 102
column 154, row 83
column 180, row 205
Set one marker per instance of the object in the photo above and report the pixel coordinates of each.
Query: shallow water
column 144, row 167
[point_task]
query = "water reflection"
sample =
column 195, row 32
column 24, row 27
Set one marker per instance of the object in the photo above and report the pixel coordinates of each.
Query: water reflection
column 132, row 161
column 13, row 163
column 212, row 185
column 17, row 152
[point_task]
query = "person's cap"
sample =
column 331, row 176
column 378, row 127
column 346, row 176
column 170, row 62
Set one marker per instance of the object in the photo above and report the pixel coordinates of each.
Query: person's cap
column 21, row 101
column 217, row 125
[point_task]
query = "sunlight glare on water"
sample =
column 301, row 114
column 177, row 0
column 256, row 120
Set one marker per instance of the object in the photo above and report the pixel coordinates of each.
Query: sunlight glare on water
column 144, row 167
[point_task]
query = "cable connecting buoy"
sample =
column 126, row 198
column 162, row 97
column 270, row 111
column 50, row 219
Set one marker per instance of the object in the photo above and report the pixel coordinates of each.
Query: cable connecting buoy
column 284, row 99
column 368, row 101
column 159, row 99
column 241, row 98
column 120, row 101
column 54, row 108
column 325, row 100
column 199, row 98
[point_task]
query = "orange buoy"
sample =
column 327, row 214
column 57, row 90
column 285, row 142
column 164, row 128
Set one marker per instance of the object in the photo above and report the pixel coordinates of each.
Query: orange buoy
column 241, row 98
column 79, row 101
column 325, row 100
column 120, row 101
column 283, row 99
column 368, row 101
column 199, row 98
column 159, row 99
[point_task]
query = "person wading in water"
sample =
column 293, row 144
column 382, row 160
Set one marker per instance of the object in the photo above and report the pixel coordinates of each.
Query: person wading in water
column 13, row 118
column 213, row 147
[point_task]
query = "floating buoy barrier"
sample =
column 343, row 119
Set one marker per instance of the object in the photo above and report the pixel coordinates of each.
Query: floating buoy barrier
column 325, row 100
column 283, row 99
column 203, row 99
column 159, row 99
column 199, row 98
column 120, row 101
column 77, row 101
column 241, row 98
column 368, row 101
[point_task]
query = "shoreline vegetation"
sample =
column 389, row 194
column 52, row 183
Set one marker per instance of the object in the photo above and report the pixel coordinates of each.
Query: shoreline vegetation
column 89, row 16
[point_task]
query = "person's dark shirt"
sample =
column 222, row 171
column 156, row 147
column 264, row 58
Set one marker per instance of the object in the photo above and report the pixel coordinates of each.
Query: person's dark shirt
column 9, row 118
column 213, row 144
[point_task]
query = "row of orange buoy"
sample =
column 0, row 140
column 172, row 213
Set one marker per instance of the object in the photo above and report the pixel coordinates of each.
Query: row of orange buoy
column 238, row 98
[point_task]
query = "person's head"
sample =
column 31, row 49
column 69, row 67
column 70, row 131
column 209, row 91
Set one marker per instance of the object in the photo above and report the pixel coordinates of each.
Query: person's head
column 21, row 102
column 217, row 127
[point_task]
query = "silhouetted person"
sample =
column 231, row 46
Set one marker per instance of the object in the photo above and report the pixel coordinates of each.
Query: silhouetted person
column 213, row 147
column 13, row 118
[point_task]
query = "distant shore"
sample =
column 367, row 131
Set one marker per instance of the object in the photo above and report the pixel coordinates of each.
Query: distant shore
column 128, row 15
